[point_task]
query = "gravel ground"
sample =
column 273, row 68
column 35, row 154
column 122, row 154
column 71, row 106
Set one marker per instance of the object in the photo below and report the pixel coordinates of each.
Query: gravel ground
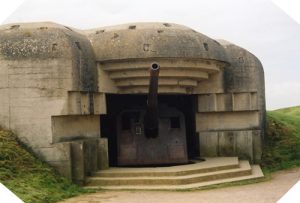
column 263, row 192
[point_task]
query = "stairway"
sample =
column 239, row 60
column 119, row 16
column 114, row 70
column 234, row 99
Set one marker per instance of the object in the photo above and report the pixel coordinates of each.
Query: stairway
column 198, row 174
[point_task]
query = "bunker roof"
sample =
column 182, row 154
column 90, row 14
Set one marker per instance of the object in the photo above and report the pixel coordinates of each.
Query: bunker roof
column 153, row 40
column 241, row 56
column 40, row 40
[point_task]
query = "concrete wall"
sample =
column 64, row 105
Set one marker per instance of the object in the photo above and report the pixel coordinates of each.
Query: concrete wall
column 227, row 121
column 229, row 124
column 242, row 143
column 231, row 116
column 67, row 128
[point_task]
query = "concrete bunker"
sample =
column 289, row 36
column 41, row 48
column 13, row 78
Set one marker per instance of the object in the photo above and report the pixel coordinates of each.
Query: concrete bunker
column 69, row 94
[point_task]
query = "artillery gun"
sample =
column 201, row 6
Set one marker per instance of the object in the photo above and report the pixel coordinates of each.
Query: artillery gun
column 152, row 135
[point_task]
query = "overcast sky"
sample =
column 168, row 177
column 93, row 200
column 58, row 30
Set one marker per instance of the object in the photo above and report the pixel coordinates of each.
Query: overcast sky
column 257, row 25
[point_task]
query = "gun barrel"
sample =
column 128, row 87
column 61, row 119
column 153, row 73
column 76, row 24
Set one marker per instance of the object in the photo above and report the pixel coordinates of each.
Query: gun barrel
column 151, row 116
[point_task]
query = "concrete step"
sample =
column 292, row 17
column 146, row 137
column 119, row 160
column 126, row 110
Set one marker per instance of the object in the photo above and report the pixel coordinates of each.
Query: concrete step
column 255, row 174
column 244, row 169
column 209, row 165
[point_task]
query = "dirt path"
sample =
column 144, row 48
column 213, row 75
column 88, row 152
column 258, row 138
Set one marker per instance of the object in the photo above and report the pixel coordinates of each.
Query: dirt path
column 264, row 192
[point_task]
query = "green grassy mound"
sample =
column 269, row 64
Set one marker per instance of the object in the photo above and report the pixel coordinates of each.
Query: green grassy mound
column 28, row 177
column 291, row 111
column 282, row 146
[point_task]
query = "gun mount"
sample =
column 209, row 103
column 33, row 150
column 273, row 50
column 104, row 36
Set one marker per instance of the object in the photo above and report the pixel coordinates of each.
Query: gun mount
column 152, row 134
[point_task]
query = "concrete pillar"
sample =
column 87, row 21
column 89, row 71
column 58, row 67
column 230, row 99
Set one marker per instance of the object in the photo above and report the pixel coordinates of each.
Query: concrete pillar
column 103, row 162
column 78, row 166
column 90, row 156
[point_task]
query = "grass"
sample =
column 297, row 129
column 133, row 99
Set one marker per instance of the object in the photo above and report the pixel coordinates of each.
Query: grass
column 282, row 145
column 291, row 111
column 29, row 178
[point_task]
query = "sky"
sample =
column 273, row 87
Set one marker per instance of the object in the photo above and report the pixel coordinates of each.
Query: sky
column 260, row 26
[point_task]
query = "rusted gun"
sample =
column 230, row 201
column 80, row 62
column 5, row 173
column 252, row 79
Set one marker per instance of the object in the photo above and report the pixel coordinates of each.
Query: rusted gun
column 151, row 115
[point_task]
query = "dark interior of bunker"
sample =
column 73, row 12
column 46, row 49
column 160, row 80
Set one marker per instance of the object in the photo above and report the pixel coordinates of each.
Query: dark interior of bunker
column 119, row 104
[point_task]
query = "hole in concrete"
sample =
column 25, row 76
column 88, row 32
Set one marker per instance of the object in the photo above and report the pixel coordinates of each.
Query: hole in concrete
column 167, row 24
column 54, row 47
column 78, row 45
column 205, row 46
column 14, row 27
column 160, row 31
column 100, row 31
column 146, row 47
column 132, row 27
column 43, row 28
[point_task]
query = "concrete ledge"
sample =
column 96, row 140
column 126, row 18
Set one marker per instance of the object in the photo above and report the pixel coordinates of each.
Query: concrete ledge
column 210, row 165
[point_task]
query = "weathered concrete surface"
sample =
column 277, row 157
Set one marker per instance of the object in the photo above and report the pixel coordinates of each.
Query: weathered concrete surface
column 39, row 64
column 88, row 156
column 240, row 106
column 103, row 161
column 153, row 40
column 78, row 169
column 177, row 75
column 228, row 121
column 68, row 128
column 54, row 81
column 229, row 143
column 186, row 56
column 59, row 156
